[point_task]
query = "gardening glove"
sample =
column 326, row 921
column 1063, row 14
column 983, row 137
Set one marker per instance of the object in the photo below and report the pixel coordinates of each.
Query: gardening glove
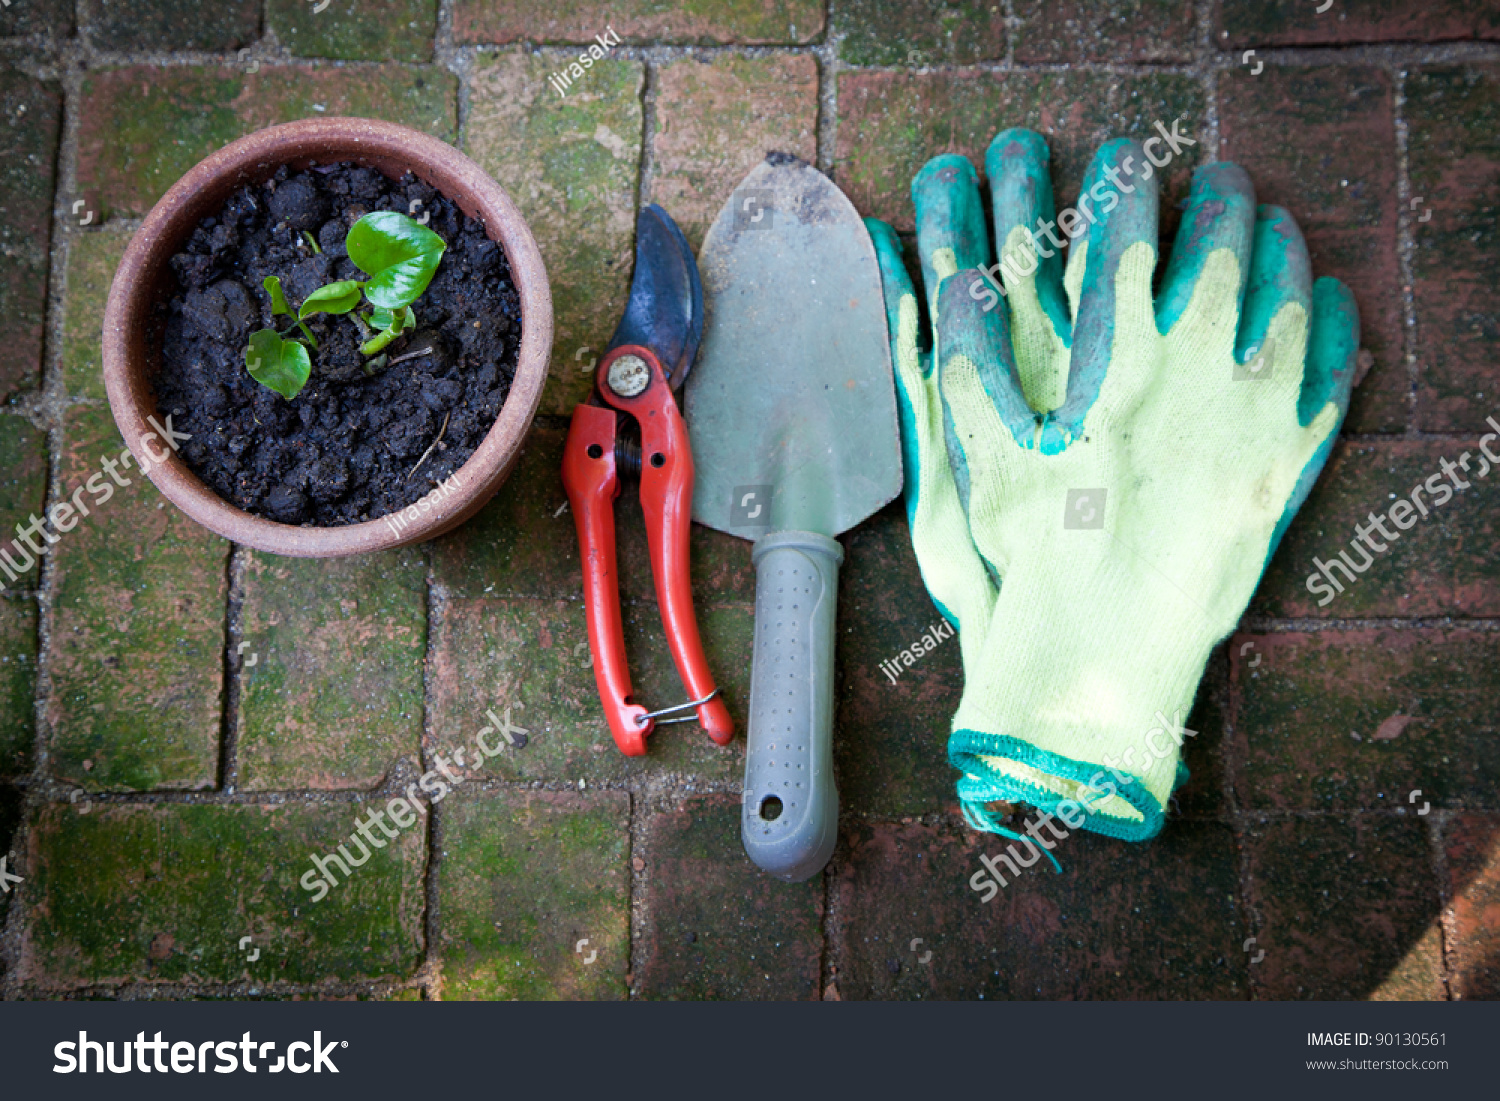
column 1096, row 479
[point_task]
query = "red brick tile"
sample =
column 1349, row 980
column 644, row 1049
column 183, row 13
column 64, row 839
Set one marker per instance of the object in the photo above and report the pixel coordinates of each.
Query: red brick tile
column 1348, row 908
column 1453, row 119
column 1340, row 720
column 1321, row 142
column 918, row 32
column 1472, row 844
column 1298, row 23
column 716, row 119
column 1152, row 920
column 532, row 657
column 1137, row 30
column 890, row 124
column 715, row 925
column 1446, row 564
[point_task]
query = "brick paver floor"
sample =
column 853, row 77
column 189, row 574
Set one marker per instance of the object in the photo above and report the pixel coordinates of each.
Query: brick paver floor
column 185, row 724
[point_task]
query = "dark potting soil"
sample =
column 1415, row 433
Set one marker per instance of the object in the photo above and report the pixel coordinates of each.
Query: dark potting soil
column 343, row 450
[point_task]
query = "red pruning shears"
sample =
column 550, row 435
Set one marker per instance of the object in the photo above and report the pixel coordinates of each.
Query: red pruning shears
column 648, row 358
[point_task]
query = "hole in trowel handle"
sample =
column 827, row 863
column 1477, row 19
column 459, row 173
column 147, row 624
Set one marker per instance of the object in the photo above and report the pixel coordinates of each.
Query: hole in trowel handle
column 770, row 808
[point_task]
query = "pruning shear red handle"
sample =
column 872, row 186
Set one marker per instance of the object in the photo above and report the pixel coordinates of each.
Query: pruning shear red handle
column 630, row 380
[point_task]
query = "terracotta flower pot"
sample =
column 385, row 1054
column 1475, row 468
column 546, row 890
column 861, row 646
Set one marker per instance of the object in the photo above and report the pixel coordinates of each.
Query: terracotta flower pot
column 132, row 348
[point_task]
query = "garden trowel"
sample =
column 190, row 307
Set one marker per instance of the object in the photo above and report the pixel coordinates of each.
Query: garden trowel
column 792, row 407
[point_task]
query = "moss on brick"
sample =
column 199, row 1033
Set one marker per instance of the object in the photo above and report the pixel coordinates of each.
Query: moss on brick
column 788, row 22
column 18, row 641
column 356, row 30
column 23, row 485
column 49, row 17
column 334, row 695
column 533, row 657
column 571, row 163
column 525, row 878
column 143, row 127
column 136, row 656
column 32, row 114
column 164, row 893
column 121, row 26
column 92, row 259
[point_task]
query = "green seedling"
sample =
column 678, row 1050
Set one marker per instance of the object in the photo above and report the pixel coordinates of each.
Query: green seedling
column 400, row 256
column 283, row 365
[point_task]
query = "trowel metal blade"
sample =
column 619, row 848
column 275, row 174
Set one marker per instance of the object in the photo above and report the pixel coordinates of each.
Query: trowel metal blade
column 792, row 404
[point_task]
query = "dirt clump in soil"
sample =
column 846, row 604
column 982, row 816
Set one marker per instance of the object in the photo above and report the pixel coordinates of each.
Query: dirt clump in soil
column 343, row 450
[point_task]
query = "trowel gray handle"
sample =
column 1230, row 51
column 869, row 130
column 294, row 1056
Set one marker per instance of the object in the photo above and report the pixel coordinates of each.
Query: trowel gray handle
column 791, row 811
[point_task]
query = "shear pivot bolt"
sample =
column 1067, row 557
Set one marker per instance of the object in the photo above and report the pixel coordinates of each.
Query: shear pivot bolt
column 628, row 376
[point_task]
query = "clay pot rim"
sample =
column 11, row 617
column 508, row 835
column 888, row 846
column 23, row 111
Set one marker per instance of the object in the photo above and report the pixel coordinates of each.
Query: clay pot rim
column 128, row 360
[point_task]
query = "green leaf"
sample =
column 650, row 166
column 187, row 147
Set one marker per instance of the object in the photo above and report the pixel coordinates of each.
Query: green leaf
column 278, row 300
column 340, row 297
column 399, row 255
column 281, row 365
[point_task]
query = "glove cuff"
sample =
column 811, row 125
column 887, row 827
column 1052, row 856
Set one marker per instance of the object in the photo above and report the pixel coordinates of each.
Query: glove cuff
column 1031, row 776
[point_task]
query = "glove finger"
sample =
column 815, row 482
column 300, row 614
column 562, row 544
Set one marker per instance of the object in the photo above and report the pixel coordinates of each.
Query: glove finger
column 895, row 285
column 951, row 568
column 1030, row 267
column 1280, row 275
column 965, row 330
column 1110, row 265
column 1220, row 214
column 985, row 414
column 951, row 233
column 913, row 370
column 1332, row 351
column 1327, row 380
